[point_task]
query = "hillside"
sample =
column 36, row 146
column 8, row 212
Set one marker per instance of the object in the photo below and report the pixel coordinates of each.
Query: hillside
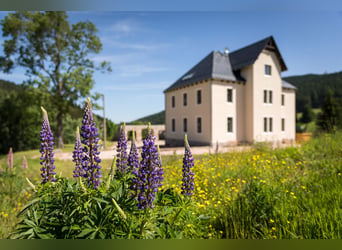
column 314, row 86
column 158, row 118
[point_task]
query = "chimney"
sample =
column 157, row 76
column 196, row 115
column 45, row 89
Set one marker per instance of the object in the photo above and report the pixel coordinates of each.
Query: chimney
column 226, row 51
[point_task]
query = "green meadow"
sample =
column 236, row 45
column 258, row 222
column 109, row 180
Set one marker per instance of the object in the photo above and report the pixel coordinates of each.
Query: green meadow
column 289, row 193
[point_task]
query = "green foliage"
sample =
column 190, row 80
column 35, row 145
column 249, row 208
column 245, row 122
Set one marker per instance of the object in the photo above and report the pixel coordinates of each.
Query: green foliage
column 330, row 116
column 12, row 195
column 314, row 86
column 69, row 210
column 308, row 114
column 289, row 193
column 21, row 120
column 55, row 55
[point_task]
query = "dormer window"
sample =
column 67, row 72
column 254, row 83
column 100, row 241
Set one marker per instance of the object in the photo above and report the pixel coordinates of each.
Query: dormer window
column 267, row 70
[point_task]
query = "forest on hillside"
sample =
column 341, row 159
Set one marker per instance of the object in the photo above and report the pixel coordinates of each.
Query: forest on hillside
column 20, row 117
column 313, row 87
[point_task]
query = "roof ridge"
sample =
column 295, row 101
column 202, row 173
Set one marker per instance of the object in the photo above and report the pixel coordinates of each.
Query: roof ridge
column 253, row 44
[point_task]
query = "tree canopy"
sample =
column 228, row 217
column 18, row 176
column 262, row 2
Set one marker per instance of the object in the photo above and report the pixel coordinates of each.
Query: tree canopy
column 329, row 119
column 55, row 55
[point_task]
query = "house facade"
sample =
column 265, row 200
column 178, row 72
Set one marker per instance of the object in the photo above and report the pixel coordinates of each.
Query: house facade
column 231, row 98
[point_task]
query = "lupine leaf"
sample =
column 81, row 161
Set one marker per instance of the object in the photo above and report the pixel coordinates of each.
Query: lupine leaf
column 85, row 232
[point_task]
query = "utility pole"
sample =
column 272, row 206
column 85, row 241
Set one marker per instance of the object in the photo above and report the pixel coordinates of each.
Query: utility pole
column 104, row 123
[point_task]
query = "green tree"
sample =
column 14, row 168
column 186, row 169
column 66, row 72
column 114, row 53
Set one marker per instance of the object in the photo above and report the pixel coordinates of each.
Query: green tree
column 55, row 55
column 329, row 118
column 308, row 115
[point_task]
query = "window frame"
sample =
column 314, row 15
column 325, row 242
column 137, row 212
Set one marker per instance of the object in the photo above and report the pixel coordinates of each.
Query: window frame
column 173, row 125
column 173, row 101
column 199, row 118
column 230, row 131
column 185, row 124
column 199, row 94
column 265, row 96
column 185, row 99
column 230, row 94
column 268, row 70
column 283, row 125
column 265, row 125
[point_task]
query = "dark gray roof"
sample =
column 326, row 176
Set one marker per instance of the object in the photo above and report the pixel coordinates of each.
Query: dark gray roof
column 247, row 56
column 287, row 85
column 227, row 67
column 215, row 65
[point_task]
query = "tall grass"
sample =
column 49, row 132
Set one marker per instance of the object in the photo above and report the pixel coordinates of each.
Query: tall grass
column 266, row 194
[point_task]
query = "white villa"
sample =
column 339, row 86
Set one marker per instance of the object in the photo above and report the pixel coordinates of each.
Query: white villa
column 230, row 98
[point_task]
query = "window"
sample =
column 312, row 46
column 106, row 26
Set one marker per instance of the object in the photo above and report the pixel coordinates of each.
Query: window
column 185, row 125
column 185, row 99
column 229, row 95
column 268, row 96
column 199, row 125
column 265, row 96
column 268, row 124
column 265, row 124
column 199, row 96
column 229, row 124
column 282, row 100
column 268, row 70
column 173, row 101
column 173, row 125
column 282, row 124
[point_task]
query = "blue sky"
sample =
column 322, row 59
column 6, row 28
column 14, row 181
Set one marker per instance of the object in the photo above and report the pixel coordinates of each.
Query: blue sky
column 149, row 50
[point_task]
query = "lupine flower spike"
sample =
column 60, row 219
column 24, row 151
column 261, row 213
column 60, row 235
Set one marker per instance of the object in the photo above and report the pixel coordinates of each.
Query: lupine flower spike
column 46, row 149
column 148, row 176
column 121, row 149
column 133, row 157
column 25, row 164
column 188, row 174
column 133, row 164
column 90, row 139
column 10, row 158
column 77, row 155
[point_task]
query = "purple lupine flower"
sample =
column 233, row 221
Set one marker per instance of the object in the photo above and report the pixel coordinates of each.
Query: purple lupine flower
column 78, row 155
column 24, row 164
column 46, row 149
column 10, row 158
column 148, row 175
column 133, row 164
column 90, row 139
column 133, row 157
column 121, row 149
column 188, row 174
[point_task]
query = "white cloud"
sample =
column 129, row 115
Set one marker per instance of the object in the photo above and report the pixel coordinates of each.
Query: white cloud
column 125, row 26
